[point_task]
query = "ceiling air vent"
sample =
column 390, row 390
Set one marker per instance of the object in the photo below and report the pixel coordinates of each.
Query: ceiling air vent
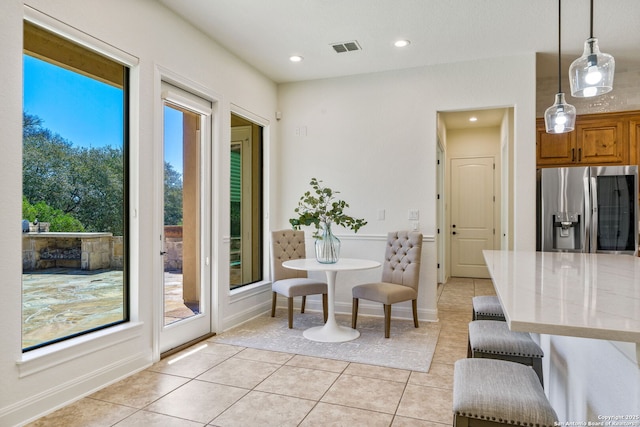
column 346, row 46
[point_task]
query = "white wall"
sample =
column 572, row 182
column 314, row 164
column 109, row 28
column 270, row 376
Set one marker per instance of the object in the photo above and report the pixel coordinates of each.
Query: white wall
column 484, row 141
column 155, row 37
column 373, row 137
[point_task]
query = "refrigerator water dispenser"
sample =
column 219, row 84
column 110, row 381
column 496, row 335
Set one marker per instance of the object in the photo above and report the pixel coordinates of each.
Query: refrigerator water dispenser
column 566, row 231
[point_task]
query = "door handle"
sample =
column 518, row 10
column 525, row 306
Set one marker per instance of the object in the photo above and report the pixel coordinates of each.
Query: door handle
column 162, row 253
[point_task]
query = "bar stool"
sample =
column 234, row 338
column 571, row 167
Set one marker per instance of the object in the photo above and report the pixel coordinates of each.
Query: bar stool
column 488, row 392
column 487, row 307
column 492, row 339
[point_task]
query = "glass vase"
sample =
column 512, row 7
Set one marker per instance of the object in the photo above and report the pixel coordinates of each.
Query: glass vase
column 327, row 246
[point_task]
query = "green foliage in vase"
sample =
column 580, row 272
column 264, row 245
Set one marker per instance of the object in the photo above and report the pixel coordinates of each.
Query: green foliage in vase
column 320, row 208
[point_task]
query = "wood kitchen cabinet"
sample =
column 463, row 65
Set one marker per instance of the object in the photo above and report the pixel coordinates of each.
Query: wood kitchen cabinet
column 554, row 149
column 598, row 139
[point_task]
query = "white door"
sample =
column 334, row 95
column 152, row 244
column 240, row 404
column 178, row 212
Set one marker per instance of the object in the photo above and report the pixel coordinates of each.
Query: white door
column 472, row 215
column 186, row 282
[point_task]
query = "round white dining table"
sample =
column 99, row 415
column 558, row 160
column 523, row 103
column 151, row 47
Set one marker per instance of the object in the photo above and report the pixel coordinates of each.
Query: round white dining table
column 331, row 331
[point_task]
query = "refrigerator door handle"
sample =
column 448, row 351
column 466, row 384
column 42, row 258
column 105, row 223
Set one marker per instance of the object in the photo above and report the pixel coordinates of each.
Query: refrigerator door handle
column 594, row 215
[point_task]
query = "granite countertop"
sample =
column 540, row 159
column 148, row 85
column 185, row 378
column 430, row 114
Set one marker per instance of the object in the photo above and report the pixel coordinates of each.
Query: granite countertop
column 572, row 294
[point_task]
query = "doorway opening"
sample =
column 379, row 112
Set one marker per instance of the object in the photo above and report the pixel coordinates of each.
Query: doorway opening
column 185, row 235
column 475, row 147
column 181, row 222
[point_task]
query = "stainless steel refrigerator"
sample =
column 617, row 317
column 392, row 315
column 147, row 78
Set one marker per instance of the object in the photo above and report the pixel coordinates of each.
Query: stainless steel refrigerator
column 588, row 209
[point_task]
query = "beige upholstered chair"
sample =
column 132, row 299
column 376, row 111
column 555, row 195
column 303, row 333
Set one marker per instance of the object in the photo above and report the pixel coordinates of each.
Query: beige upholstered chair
column 400, row 277
column 286, row 245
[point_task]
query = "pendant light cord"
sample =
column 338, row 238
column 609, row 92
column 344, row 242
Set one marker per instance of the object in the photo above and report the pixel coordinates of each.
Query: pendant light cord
column 559, row 46
column 591, row 22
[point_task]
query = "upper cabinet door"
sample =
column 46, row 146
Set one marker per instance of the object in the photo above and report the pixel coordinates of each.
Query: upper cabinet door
column 602, row 142
column 555, row 149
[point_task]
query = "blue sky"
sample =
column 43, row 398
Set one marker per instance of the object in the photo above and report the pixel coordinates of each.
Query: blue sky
column 84, row 111
column 80, row 109
column 173, row 137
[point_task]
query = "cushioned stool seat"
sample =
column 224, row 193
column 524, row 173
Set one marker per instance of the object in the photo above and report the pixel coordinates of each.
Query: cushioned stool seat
column 487, row 307
column 492, row 339
column 488, row 392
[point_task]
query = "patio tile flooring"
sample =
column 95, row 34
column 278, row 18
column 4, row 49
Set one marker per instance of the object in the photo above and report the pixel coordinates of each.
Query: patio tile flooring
column 61, row 302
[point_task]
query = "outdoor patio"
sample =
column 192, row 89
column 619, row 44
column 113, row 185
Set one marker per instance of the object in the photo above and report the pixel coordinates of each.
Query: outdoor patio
column 59, row 302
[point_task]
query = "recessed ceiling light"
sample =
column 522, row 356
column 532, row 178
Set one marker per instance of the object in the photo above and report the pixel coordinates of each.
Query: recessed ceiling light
column 402, row 43
column 473, row 119
column 295, row 58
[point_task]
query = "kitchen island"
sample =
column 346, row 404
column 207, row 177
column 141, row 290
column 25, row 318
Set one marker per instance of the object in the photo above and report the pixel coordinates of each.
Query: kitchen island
column 573, row 294
column 584, row 309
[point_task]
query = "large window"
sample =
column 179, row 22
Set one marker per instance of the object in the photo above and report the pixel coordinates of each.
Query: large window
column 246, row 202
column 75, row 243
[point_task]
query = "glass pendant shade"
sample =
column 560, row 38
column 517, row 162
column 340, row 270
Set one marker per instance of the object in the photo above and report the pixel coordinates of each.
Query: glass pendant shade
column 592, row 73
column 560, row 117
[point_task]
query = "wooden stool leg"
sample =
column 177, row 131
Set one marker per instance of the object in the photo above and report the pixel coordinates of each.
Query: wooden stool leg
column 304, row 302
column 460, row 421
column 536, row 363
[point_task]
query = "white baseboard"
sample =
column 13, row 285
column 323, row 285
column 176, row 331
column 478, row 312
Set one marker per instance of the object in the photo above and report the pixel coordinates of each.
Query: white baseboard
column 52, row 399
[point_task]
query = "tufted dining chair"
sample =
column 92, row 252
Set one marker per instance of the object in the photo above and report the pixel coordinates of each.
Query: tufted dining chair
column 400, row 277
column 286, row 245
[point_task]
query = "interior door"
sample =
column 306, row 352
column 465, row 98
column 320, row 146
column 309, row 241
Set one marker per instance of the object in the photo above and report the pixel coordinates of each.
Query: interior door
column 472, row 227
column 186, row 284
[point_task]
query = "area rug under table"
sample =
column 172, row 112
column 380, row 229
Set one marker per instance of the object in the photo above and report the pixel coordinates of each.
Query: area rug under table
column 407, row 348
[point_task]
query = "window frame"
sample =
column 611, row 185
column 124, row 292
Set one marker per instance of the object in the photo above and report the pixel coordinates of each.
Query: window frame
column 256, row 288
column 79, row 345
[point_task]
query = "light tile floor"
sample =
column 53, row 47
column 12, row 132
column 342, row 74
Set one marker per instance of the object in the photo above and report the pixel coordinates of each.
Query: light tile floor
column 228, row 386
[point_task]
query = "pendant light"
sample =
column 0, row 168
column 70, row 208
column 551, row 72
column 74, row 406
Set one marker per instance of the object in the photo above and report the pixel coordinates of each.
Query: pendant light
column 560, row 117
column 592, row 73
